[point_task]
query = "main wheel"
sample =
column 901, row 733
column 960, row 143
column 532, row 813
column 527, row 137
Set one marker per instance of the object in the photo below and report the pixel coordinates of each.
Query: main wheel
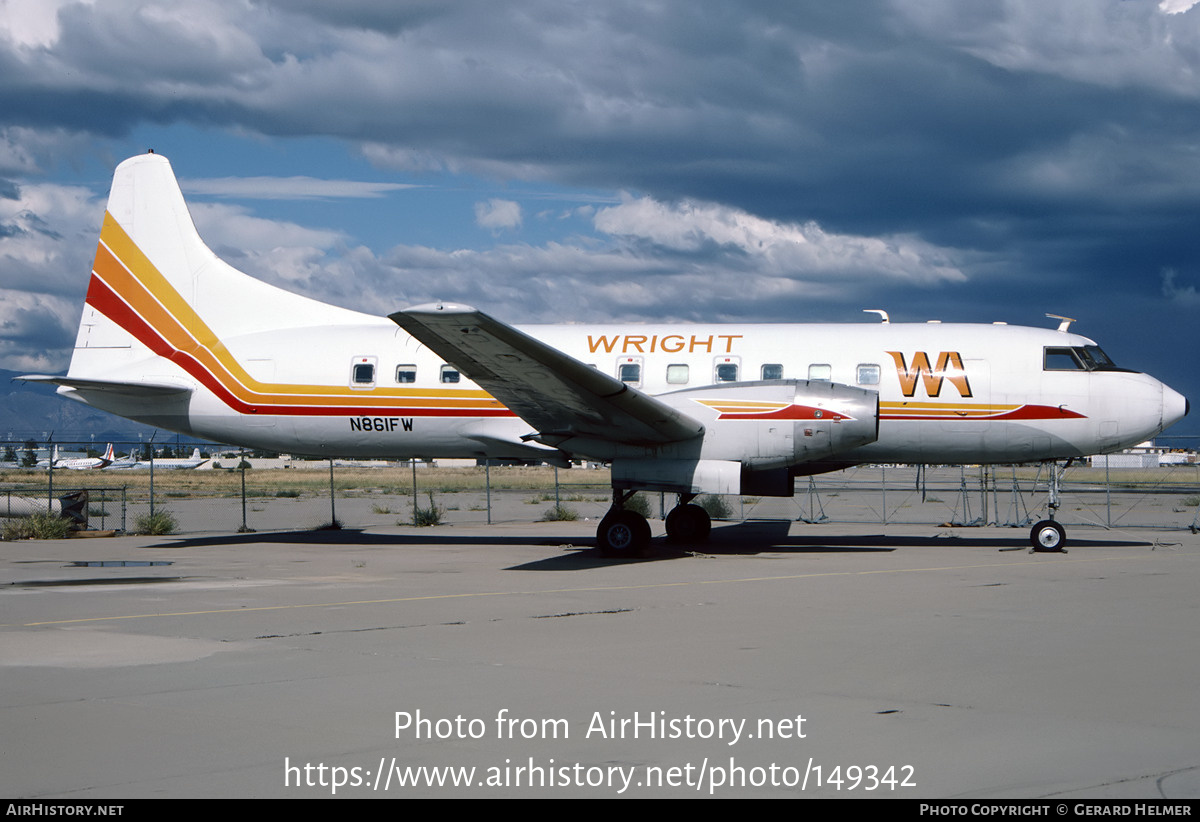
column 1048, row 536
column 623, row 534
column 688, row 523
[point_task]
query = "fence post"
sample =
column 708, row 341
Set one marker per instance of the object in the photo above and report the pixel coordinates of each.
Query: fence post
column 242, row 470
column 332, row 506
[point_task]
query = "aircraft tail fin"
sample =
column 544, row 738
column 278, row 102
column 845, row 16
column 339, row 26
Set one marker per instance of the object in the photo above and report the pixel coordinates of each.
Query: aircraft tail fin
column 163, row 312
column 157, row 290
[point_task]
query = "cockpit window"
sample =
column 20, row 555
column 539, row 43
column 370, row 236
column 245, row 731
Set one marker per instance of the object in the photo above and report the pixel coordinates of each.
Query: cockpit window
column 1081, row 358
column 1062, row 359
column 1103, row 363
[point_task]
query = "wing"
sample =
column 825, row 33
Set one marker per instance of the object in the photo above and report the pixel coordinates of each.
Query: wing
column 558, row 395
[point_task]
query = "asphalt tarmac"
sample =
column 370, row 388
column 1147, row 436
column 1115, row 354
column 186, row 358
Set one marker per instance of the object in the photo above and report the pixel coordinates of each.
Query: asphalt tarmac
column 780, row 659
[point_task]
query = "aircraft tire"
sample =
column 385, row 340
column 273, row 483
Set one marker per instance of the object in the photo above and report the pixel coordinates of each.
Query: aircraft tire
column 622, row 534
column 1048, row 537
column 688, row 523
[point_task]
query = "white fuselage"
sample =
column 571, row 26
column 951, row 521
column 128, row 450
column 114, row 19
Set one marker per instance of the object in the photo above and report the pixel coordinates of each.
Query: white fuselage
column 991, row 400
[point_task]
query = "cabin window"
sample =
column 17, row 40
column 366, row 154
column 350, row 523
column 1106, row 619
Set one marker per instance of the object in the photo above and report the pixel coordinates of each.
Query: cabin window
column 727, row 372
column 630, row 372
column 677, row 374
column 868, row 374
column 406, row 373
column 450, row 374
column 362, row 372
column 820, row 371
column 772, row 371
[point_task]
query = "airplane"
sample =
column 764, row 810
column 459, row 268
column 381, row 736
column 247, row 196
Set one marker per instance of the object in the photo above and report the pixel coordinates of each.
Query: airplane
column 173, row 336
column 77, row 463
column 186, row 463
column 122, row 463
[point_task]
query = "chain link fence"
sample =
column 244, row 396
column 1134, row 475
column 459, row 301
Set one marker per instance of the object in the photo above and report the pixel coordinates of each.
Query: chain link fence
column 313, row 495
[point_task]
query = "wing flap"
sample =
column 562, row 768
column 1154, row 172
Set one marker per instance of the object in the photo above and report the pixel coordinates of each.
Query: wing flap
column 557, row 394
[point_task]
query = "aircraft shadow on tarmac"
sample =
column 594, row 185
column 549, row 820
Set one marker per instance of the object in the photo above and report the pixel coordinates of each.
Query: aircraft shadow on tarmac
column 744, row 538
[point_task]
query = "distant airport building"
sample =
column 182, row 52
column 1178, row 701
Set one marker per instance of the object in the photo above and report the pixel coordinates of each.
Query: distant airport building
column 1144, row 455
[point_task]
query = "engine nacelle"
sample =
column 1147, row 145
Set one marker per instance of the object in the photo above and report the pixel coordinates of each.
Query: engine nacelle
column 780, row 423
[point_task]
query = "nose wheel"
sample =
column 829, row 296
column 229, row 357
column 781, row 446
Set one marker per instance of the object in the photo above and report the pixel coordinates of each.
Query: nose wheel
column 1048, row 537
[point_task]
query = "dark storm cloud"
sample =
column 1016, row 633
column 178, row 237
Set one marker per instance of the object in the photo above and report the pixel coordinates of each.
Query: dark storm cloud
column 985, row 161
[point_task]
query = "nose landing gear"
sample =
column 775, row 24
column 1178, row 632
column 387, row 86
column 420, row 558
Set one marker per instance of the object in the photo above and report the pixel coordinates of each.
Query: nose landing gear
column 1049, row 536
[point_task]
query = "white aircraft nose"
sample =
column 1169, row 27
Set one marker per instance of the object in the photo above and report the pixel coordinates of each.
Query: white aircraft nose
column 1175, row 407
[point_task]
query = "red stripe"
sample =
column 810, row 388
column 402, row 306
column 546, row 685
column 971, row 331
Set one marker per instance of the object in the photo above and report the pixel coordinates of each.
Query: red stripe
column 791, row 412
column 1025, row 412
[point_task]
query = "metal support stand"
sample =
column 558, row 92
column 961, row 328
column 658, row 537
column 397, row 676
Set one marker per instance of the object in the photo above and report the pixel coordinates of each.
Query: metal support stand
column 814, row 502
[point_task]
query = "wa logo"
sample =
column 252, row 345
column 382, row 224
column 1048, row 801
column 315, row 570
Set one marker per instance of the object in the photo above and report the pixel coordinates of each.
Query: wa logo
column 949, row 367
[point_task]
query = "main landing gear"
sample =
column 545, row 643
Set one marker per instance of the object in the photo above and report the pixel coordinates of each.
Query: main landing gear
column 688, row 522
column 624, row 533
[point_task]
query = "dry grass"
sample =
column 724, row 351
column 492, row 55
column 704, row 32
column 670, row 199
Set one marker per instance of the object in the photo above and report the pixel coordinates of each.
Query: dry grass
column 312, row 482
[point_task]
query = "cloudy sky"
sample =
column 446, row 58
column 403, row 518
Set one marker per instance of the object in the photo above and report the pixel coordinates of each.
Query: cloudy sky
column 554, row 160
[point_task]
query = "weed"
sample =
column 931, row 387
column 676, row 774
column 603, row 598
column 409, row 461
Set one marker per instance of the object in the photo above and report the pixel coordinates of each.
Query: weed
column 156, row 524
column 638, row 504
column 428, row 516
column 716, row 507
column 290, row 493
column 37, row 526
column 380, row 509
column 560, row 513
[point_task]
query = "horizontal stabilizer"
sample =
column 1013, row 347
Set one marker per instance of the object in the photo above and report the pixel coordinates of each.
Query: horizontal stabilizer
column 558, row 395
column 129, row 389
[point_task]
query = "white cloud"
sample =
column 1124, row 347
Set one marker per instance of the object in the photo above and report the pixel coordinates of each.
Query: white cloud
column 32, row 23
column 276, row 251
column 288, row 188
column 1110, row 43
column 1176, row 6
column 800, row 251
column 498, row 214
column 1185, row 295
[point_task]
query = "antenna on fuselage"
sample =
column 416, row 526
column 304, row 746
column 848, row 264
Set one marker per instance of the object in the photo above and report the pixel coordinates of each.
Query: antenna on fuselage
column 1065, row 322
column 882, row 314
